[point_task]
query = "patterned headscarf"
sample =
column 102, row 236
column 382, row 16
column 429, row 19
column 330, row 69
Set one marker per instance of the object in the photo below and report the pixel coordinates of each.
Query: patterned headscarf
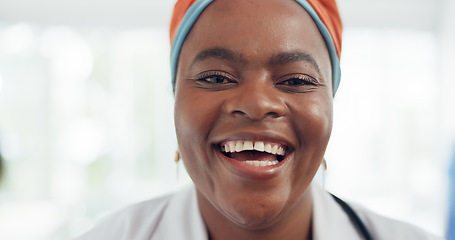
column 323, row 12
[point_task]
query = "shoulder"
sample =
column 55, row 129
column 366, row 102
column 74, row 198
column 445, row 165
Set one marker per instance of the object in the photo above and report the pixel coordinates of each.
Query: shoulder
column 328, row 214
column 386, row 228
column 137, row 221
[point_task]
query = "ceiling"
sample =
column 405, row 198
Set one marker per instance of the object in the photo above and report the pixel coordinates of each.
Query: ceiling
column 414, row 14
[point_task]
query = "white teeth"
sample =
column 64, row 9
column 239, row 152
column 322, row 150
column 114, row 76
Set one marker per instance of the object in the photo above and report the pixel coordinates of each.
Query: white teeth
column 239, row 146
column 274, row 149
column 268, row 148
column 280, row 151
column 248, row 145
column 261, row 163
column 231, row 146
column 259, row 146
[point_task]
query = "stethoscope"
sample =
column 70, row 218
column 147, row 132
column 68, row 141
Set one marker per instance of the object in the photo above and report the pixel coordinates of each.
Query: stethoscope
column 356, row 221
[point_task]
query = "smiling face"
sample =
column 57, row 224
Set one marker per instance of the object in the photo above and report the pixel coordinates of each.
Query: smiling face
column 253, row 109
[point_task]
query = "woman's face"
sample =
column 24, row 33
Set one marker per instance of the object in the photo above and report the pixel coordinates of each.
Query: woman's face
column 253, row 75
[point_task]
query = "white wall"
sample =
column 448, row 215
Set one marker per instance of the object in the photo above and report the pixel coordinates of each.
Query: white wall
column 82, row 85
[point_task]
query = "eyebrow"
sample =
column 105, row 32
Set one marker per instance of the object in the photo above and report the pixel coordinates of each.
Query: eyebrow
column 277, row 59
column 293, row 56
column 218, row 53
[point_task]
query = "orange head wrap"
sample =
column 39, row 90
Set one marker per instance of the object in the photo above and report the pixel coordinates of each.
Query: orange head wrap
column 324, row 13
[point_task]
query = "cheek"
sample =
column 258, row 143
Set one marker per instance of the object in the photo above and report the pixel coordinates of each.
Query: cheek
column 195, row 114
column 189, row 124
column 314, row 123
column 187, row 119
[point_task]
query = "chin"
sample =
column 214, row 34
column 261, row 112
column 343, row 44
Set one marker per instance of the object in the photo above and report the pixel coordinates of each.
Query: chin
column 254, row 211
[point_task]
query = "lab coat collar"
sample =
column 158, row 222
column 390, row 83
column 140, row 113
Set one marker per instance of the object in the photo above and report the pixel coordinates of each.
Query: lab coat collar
column 182, row 218
column 329, row 219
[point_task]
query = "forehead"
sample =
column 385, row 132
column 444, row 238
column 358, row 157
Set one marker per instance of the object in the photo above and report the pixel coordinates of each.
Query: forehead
column 256, row 29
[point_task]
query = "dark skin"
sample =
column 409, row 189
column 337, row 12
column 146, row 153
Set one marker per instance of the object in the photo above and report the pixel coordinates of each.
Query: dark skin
column 254, row 70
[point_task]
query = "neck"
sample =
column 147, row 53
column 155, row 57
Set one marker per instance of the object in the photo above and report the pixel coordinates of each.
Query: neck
column 294, row 224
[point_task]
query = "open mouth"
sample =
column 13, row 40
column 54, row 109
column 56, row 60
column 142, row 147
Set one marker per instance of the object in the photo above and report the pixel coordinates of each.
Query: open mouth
column 254, row 153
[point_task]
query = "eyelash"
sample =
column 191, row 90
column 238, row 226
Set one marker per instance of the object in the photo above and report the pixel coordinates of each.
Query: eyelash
column 203, row 77
column 220, row 78
column 304, row 80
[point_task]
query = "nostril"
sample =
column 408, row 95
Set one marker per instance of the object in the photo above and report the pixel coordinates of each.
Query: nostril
column 273, row 114
column 237, row 112
column 256, row 114
column 255, row 105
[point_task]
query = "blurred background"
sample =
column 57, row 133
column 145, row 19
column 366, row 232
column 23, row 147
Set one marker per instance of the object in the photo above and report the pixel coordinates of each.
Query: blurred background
column 86, row 111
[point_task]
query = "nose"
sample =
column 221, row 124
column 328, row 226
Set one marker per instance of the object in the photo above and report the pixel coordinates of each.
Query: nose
column 256, row 100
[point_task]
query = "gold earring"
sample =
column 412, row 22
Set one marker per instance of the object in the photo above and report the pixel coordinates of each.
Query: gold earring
column 176, row 160
column 177, row 156
column 324, row 163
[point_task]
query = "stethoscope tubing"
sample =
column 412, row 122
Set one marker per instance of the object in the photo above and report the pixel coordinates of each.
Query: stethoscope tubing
column 355, row 219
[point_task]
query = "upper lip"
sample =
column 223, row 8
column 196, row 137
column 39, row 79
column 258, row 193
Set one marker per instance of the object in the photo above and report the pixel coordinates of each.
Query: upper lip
column 265, row 136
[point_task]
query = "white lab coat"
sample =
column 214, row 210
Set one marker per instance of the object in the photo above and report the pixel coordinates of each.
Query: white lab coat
column 177, row 217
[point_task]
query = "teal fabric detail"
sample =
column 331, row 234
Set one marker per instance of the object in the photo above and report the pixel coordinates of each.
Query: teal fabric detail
column 197, row 8
column 188, row 21
column 336, row 70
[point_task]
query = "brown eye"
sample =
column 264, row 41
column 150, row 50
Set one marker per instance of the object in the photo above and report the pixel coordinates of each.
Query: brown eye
column 293, row 82
column 297, row 81
column 214, row 79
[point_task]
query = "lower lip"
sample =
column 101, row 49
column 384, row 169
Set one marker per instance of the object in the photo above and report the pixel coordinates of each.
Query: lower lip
column 252, row 172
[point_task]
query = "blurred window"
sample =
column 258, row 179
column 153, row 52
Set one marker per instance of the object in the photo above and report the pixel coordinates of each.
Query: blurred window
column 86, row 126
